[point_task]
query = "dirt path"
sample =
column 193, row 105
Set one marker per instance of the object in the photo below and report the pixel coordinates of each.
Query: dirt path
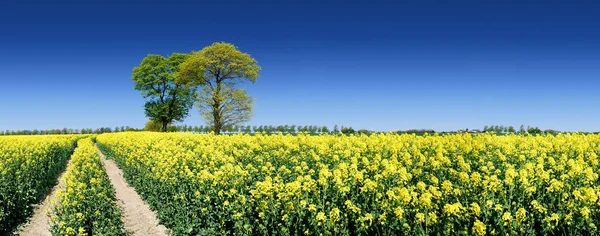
column 138, row 218
column 39, row 223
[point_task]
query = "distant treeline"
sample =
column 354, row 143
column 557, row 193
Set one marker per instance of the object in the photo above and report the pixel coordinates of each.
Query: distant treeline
column 272, row 129
column 268, row 129
column 68, row 131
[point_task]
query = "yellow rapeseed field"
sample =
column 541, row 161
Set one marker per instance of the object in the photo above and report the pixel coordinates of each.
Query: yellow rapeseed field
column 384, row 184
column 87, row 205
column 28, row 169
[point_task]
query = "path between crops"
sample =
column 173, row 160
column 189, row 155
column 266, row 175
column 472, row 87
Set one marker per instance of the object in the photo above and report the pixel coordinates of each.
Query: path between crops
column 138, row 218
column 39, row 223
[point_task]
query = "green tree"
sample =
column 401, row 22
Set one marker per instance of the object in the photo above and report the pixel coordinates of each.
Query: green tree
column 169, row 100
column 218, row 68
column 511, row 129
column 522, row 129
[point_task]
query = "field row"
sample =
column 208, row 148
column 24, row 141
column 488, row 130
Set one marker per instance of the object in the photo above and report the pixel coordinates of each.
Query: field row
column 29, row 166
column 28, row 169
column 382, row 184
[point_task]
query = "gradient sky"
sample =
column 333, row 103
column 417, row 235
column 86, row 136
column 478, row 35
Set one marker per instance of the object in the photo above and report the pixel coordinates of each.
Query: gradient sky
column 377, row 65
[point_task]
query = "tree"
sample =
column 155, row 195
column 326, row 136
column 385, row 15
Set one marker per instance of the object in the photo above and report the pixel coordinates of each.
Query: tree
column 535, row 130
column 522, row 129
column 511, row 129
column 152, row 125
column 169, row 100
column 218, row 68
column 348, row 130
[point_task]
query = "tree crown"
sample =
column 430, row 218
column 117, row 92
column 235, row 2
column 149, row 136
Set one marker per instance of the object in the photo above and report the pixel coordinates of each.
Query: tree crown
column 219, row 62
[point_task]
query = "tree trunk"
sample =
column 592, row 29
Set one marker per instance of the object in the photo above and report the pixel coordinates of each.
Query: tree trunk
column 216, row 107
column 217, row 118
column 164, row 125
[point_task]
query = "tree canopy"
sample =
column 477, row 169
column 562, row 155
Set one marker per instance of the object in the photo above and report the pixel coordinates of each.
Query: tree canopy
column 218, row 68
column 168, row 99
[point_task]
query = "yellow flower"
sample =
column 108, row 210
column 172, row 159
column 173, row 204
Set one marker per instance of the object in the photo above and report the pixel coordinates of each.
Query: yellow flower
column 453, row 209
column 585, row 212
column 521, row 214
column 479, row 228
column 399, row 212
column 334, row 215
column 507, row 218
column 431, row 218
column 420, row 218
column 425, row 199
column 475, row 209
column 320, row 218
column 367, row 218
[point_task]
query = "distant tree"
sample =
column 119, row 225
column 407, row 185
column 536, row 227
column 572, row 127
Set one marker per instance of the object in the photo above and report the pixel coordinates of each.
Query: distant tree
column 348, row 130
column 169, row 100
column 335, row 129
column 550, row 131
column 325, row 129
column 535, row 130
column 270, row 129
column 522, row 129
column 218, row 68
column 152, row 125
column 292, row 129
column 511, row 129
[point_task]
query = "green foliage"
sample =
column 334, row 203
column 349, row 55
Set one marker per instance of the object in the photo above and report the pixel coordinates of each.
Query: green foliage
column 218, row 68
column 87, row 205
column 169, row 100
column 152, row 125
column 235, row 106
column 348, row 130
column 535, row 130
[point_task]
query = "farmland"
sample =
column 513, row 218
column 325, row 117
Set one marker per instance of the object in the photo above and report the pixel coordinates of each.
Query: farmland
column 28, row 168
column 383, row 184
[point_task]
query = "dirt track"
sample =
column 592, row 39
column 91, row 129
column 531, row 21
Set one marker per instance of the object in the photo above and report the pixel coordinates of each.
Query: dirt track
column 138, row 218
column 39, row 223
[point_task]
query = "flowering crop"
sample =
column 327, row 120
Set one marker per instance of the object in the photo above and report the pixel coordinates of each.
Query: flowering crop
column 28, row 168
column 383, row 184
column 87, row 205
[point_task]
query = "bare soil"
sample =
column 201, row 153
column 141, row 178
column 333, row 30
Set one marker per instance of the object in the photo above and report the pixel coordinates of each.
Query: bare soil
column 138, row 218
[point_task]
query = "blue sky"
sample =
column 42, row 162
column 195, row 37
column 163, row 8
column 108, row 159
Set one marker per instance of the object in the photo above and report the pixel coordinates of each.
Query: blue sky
column 378, row 65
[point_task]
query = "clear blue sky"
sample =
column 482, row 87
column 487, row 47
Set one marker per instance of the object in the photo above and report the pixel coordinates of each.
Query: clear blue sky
column 397, row 65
